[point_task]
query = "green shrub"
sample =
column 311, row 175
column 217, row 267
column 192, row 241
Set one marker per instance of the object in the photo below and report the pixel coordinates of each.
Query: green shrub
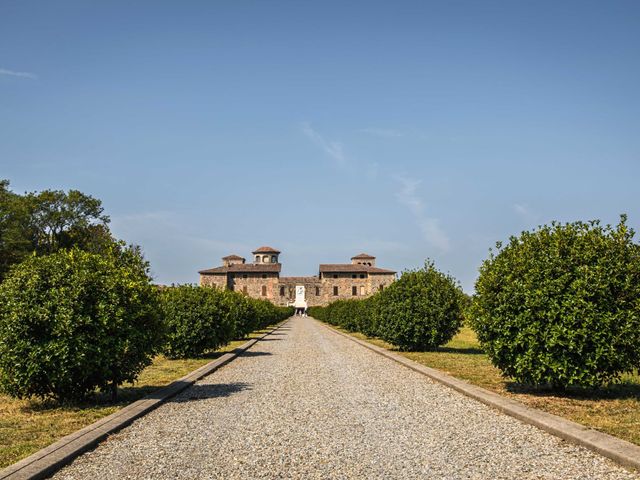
column 420, row 311
column 265, row 313
column 201, row 319
column 319, row 313
column 73, row 321
column 198, row 319
column 352, row 315
column 366, row 316
column 560, row 306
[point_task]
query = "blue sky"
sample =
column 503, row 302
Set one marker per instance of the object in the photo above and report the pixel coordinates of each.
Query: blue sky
column 408, row 130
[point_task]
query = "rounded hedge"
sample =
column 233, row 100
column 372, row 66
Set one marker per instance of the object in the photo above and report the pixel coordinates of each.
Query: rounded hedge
column 73, row 321
column 261, row 314
column 560, row 306
column 421, row 310
column 201, row 319
column 197, row 319
column 352, row 315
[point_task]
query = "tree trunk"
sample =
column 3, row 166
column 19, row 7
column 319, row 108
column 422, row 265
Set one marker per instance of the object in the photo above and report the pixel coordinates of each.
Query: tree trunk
column 114, row 391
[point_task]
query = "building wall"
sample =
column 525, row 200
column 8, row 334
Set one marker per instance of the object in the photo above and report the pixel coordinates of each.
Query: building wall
column 288, row 285
column 219, row 281
column 252, row 283
column 344, row 283
column 377, row 280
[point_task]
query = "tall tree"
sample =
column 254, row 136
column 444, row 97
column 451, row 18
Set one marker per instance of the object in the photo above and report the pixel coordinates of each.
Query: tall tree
column 64, row 219
column 47, row 221
column 15, row 231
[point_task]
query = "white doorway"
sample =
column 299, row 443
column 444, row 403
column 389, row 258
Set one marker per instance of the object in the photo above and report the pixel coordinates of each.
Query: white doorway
column 300, row 294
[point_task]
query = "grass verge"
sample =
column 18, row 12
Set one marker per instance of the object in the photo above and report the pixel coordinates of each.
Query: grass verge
column 614, row 410
column 26, row 426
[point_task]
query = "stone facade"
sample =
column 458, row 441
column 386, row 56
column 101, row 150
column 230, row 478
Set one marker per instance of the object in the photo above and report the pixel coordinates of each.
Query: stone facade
column 261, row 279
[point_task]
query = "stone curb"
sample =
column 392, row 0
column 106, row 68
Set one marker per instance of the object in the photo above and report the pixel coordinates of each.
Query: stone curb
column 623, row 452
column 45, row 462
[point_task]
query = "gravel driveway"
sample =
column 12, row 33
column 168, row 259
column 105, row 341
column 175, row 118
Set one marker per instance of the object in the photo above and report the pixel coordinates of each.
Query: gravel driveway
column 307, row 403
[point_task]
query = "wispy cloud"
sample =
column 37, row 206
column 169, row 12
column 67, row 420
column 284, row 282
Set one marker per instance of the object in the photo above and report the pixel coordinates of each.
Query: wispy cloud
column 429, row 226
column 332, row 148
column 12, row 73
column 526, row 213
column 383, row 132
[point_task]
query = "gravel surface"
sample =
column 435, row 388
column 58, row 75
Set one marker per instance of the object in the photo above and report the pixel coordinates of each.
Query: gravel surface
column 307, row 403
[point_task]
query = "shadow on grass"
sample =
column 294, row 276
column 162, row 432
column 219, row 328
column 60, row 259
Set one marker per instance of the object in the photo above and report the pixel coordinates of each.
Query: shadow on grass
column 96, row 401
column 127, row 393
column 624, row 390
column 463, row 351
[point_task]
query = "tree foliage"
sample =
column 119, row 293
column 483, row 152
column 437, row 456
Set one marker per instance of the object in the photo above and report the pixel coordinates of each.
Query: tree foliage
column 197, row 320
column 73, row 321
column 47, row 221
column 202, row 319
column 420, row 311
column 560, row 305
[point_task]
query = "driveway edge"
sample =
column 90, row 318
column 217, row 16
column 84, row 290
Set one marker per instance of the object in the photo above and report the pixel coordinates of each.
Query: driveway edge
column 45, row 462
column 622, row 452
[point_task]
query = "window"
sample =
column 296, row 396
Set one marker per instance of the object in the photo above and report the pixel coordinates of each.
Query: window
column 264, row 275
column 335, row 290
column 264, row 290
column 265, row 259
column 354, row 290
column 258, row 258
column 317, row 291
column 335, row 276
column 362, row 290
column 381, row 288
column 244, row 289
column 244, row 276
column 362, row 275
column 282, row 291
column 274, row 259
column 354, row 276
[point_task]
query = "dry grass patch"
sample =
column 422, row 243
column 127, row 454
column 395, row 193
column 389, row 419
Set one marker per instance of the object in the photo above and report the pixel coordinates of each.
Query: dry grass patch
column 614, row 410
column 26, row 426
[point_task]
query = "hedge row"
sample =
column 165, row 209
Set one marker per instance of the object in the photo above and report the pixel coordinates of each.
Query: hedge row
column 73, row 322
column 420, row 311
column 555, row 307
column 203, row 319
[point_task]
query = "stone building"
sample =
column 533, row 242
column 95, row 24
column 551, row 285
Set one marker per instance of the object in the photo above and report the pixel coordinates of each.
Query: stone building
column 261, row 279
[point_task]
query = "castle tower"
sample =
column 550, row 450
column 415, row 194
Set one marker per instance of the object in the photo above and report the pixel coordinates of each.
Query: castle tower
column 364, row 259
column 232, row 260
column 266, row 255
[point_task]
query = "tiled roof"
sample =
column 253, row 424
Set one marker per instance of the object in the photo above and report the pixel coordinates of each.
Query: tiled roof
column 379, row 270
column 350, row 268
column 266, row 250
column 244, row 267
column 364, row 256
column 233, row 257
